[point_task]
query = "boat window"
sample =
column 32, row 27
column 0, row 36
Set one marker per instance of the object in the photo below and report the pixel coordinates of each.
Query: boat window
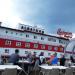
column 61, row 41
column 61, row 49
column 16, row 33
column 36, row 30
column 6, row 31
column 6, row 50
column 42, row 32
column 35, row 45
column 35, row 37
column 26, row 52
column 27, row 45
column 18, row 43
column 27, row 28
column 27, row 35
column 21, row 27
column 51, row 39
column 11, row 32
column 55, row 48
column 49, row 47
column 7, row 42
column 21, row 34
column 31, row 29
column 42, row 46
column 42, row 38
column 39, row 31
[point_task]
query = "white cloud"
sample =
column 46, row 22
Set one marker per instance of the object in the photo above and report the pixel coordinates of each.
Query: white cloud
column 5, row 9
column 7, row 15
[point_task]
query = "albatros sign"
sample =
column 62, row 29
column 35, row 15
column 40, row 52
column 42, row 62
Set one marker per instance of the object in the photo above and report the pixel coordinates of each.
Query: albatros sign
column 64, row 34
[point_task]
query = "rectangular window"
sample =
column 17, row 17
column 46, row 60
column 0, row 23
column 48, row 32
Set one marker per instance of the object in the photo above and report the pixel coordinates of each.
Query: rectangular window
column 51, row 39
column 8, row 42
column 27, row 45
column 11, row 32
column 42, row 38
column 35, row 37
column 35, row 45
column 55, row 48
column 26, row 52
column 49, row 47
column 61, row 49
column 6, row 50
column 27, row 35
column 18, row 44
column 21, row 34
column 42, row 46
column 6, row 31
column 61, row 41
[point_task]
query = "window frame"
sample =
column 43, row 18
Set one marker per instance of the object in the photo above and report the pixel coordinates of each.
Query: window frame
column 8, row 42
column 35, row 37
column 27, row 36
column 42, row 38
column 27, row 45
column 18, row 44
column 55, row 48
column 36, row 46
column 49, row 48
column 43, row 46
column 6, row 51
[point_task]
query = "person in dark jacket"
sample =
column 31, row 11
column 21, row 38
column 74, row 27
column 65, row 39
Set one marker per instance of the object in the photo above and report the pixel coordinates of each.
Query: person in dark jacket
column 72, row 59
column 14, row 58
column 62, row 60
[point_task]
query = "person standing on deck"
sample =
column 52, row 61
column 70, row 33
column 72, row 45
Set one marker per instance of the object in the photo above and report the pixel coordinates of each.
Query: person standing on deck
column 62, row 60
column 72, row 59
column 14, row 58
column 55, row 59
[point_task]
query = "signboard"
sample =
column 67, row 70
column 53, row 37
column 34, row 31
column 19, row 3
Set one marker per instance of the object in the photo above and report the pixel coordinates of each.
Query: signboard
column 64, row 34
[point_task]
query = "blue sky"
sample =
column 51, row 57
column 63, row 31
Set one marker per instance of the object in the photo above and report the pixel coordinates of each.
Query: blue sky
column 49, row 14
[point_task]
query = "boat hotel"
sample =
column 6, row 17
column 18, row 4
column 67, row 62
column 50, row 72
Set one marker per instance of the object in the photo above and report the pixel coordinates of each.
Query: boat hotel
column 31, row 38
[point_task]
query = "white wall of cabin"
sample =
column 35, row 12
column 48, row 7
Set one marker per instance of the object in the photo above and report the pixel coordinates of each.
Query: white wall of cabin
column 22, row 52
column 20, row 37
